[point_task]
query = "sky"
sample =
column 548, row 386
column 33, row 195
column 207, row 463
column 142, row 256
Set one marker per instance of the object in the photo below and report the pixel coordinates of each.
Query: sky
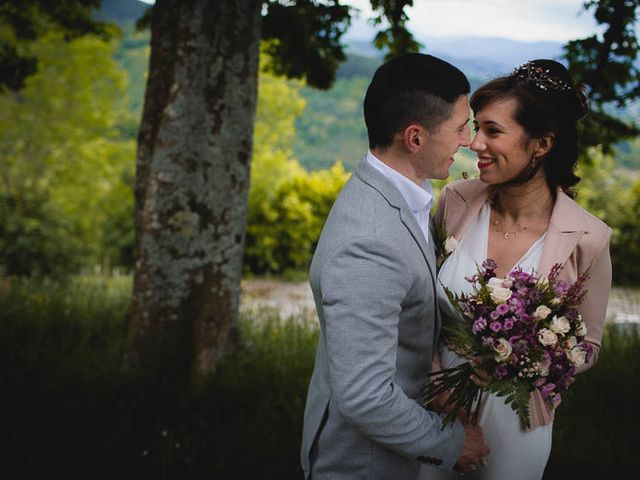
column 523, row 20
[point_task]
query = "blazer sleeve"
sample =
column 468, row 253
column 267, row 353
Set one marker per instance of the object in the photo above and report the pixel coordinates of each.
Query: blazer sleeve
column 594, row 307
column 363, row 285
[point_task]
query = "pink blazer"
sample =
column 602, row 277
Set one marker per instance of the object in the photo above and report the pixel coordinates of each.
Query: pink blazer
column 575, row 239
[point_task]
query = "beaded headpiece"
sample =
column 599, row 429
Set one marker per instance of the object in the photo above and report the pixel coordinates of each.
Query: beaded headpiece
column 540, row 77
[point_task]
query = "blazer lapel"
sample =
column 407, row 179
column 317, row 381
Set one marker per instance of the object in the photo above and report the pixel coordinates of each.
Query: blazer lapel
column 566, row 228
column 462, row 207
column 377, row 180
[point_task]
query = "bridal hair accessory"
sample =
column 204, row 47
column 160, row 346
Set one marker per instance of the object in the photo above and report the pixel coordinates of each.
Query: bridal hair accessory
column 540, row 77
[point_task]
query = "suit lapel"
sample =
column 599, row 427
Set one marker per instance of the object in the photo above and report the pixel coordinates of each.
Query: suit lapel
column 566, row 228
column 377, row 180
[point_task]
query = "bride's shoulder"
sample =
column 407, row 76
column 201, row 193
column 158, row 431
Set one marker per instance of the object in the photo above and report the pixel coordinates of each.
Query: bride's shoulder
column 468, row 189
column 598, row 230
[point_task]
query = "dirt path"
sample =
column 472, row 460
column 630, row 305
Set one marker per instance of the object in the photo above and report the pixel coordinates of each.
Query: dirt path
column 295, row 298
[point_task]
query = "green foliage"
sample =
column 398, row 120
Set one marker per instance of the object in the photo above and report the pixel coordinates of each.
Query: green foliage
column 63, row 159
column 287, row 204
column 614, row 198
column 606, row 66
column 23, row 22
column 303, row 38
column 396, row 39
column 283, row 231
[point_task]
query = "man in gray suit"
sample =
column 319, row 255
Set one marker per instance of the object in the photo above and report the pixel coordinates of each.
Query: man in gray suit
column 374, row 282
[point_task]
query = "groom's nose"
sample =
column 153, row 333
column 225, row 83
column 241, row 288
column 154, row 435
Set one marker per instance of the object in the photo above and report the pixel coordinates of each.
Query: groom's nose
column 465, row 137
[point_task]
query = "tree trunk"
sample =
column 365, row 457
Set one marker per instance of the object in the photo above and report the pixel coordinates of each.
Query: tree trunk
column 192, row 182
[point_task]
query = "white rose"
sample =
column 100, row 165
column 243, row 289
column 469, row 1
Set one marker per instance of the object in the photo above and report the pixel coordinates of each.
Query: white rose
column 500, row 295
column 494, row 282
column 541, row 312
column 581, row 328
column 503, row 350
column 450, row 244
column 547, row 337
column 570, row 342
column 507, row 283
column 543, row 368
column 560, row 325
column 577, row 356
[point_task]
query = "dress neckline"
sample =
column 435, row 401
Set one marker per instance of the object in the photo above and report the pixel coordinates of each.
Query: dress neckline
column 526, row 256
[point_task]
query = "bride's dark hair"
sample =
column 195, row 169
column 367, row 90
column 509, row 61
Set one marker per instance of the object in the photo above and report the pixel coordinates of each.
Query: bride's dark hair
column 548, row 101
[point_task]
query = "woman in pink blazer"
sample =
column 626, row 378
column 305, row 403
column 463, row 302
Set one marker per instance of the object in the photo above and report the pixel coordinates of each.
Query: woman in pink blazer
column 520, row 212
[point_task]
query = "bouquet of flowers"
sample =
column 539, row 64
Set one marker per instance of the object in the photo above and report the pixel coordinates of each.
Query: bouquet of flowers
column 523, row 330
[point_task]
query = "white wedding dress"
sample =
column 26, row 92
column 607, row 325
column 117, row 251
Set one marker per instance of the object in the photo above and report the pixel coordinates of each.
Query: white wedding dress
column 515, row 453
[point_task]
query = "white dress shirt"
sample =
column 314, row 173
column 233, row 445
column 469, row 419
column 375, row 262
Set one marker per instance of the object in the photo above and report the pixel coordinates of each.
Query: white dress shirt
column 419, row 199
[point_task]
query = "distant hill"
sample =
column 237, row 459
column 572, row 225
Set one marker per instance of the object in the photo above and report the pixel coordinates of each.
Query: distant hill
column 479, row 57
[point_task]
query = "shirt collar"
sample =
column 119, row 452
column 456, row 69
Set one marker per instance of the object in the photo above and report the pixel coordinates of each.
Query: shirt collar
column 418, row 198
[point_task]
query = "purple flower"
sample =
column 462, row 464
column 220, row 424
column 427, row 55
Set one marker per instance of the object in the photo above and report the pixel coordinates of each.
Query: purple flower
column 508, row 324
column 494, row 315
column 500, row 371
column 502, row 308
column 561, row 287
column 547, row 389
column 539, row 382
column 495, row 326
column 589, row 349
column 479, row 325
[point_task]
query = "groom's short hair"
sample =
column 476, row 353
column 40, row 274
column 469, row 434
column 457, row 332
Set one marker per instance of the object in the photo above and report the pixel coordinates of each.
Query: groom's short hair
column 411, row 88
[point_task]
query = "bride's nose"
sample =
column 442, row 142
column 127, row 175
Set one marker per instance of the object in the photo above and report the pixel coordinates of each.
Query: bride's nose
column 478, row 144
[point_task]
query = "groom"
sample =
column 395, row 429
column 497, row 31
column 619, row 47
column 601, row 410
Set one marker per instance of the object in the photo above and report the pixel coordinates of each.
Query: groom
column 374, row 282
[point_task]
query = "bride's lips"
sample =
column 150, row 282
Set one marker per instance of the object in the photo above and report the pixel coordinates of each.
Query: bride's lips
column 484, row 162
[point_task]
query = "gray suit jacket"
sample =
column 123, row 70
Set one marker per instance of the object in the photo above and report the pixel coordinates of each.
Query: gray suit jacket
column 372, row 277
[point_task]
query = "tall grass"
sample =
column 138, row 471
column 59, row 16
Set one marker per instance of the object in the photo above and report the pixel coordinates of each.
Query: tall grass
column 596, row 426
column 66, row 407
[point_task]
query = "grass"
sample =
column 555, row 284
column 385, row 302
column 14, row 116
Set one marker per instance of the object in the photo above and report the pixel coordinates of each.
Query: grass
column 67, row 407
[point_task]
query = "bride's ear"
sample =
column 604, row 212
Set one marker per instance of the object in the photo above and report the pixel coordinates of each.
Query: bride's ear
column 544, row 144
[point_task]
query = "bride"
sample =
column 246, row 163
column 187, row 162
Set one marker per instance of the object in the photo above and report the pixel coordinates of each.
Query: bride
column 520, row 212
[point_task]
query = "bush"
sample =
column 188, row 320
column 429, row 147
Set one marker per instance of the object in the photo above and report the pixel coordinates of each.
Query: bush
column 284, row 228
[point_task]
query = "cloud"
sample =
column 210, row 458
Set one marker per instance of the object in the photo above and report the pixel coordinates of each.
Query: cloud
column 552, row 20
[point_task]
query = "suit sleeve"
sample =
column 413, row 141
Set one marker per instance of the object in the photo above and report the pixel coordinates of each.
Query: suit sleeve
column 594, row 307
column 363, row 286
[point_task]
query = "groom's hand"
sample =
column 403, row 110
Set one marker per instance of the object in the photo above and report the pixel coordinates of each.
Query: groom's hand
column 474, row 450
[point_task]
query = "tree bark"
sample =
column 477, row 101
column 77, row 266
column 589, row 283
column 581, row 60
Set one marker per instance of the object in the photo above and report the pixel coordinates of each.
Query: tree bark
column 192, row 182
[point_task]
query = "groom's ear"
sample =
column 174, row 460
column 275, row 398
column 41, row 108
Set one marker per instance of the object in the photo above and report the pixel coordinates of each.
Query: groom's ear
column 413, row 137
